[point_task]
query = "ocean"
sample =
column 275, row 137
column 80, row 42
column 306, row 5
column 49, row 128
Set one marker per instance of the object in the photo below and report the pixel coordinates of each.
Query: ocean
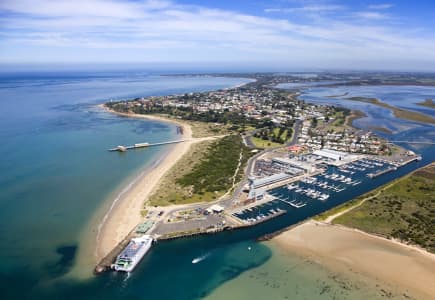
column 57, row 174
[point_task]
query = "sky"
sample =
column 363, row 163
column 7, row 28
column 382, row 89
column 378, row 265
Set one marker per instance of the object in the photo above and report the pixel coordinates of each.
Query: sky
column 234, row 34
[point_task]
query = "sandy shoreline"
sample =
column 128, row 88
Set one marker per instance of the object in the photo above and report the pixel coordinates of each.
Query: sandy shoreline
column 347, row 250
column 125, row 213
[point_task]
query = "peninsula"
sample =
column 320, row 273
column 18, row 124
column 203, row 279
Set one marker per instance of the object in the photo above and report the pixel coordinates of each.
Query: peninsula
column 129, row 211
column 237, row 146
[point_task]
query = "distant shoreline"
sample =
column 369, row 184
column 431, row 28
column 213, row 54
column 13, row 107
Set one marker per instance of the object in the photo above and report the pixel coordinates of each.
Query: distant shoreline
column 149, row 117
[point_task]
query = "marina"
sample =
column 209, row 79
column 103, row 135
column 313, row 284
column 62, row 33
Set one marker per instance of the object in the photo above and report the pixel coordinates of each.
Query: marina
column 381, row 172
column 320, row 186
column 280, row 195
column 293, row 203
column 73, row 180
column 258, row 214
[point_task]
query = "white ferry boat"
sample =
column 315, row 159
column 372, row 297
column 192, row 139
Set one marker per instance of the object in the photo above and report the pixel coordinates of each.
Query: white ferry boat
column 128, row 259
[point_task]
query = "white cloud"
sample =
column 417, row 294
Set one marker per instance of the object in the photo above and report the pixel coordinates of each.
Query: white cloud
column 115, row 30
column 307, row 9
column 372, row 15
column 381, row 6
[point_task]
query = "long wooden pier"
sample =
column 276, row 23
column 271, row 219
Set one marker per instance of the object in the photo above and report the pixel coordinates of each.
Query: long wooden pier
column 122, row 148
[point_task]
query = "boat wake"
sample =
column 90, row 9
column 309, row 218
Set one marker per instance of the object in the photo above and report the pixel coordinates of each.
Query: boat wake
column 200, row 258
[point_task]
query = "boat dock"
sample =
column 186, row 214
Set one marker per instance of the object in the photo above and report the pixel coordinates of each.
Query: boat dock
column 104, row 264
column 262, row 219
column 122, row 148
column 255, row 214
column 381, row 172
column 294, row 203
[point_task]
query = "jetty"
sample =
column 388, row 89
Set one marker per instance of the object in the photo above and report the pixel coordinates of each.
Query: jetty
column 293, row 203
column 255, row 221
column 104, row 264
column 122, row 148
column 381, row 172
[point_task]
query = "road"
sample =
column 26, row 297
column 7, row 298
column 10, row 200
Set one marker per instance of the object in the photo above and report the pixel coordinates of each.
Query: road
column 296, row 131
column 225, row 201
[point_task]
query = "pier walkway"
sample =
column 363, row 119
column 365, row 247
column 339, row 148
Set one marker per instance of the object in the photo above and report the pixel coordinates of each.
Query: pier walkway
column 143, row 145
column 294, row 203
column 122, row 148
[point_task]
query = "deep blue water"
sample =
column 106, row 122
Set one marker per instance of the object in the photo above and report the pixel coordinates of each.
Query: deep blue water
column 56, row 173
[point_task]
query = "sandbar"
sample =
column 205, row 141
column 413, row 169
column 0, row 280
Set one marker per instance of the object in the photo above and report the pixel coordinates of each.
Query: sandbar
column 343, row 249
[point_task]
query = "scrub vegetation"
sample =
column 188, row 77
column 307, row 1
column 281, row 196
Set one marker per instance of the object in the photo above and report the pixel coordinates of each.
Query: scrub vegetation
column 204, row 174
column 404, row 210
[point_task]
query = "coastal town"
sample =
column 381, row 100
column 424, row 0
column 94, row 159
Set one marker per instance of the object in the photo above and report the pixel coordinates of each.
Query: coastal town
column 294, row 154
column 266, row 116
column 217, row 150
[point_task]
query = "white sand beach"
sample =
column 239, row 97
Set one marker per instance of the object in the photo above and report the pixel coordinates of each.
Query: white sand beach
column 339, row 248
column 125, row 215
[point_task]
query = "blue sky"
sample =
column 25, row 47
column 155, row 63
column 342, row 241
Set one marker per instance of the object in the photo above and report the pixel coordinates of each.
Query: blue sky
column 257, row 34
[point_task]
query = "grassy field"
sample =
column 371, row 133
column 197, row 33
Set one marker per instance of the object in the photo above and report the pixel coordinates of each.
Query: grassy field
column 204, row 174
column 339, row 119
column 260, row 143
column 405, row 210
column 272, row 137
column 202, row 129
column 338, row 123
column 398, row 112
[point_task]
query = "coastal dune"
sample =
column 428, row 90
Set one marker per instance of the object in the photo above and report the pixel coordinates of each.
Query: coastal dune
column 408, row 270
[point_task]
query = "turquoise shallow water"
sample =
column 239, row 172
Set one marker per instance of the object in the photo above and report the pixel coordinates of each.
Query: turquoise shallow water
column 55, row 170
column 286, row 276
column 56, row 174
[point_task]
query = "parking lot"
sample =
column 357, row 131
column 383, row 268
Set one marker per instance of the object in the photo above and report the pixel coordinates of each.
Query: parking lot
column 208, row 221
